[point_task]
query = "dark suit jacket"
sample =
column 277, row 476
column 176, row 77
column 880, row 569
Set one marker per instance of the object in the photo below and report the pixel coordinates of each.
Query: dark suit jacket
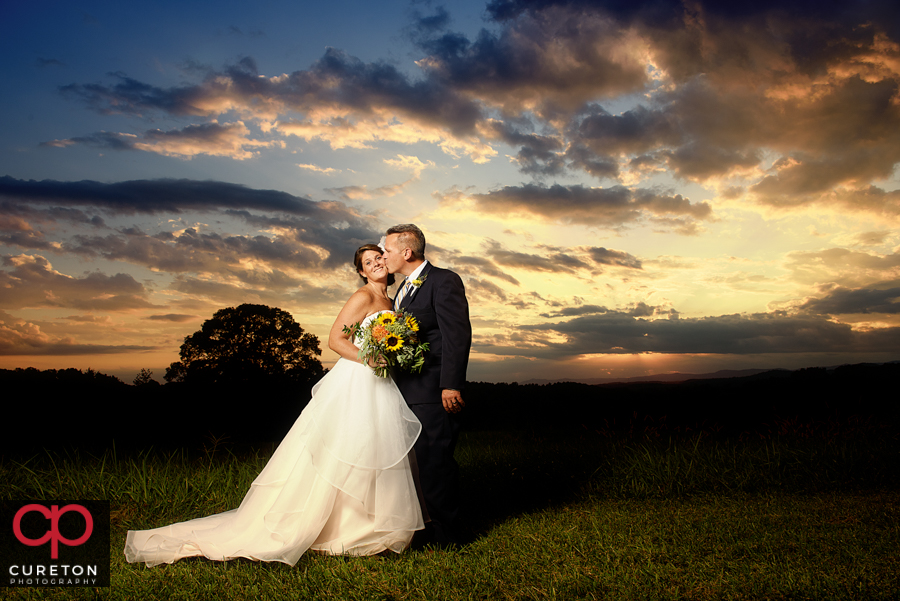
column 442, row 311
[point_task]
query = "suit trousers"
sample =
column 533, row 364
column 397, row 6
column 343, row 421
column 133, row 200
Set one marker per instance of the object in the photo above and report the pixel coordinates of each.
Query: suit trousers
column 438, row 470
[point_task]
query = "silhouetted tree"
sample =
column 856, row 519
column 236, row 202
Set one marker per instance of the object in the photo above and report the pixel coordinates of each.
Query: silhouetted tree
column 144, row 378
column 249, row 343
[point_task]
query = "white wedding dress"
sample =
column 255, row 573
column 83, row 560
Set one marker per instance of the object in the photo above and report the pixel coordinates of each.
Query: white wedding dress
column 339, row 483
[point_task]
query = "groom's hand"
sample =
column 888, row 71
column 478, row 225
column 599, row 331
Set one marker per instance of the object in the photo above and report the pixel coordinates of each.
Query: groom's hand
column 452, row 400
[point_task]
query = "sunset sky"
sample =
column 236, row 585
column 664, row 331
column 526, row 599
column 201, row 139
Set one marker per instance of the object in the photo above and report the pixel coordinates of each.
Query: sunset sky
column 626, row 188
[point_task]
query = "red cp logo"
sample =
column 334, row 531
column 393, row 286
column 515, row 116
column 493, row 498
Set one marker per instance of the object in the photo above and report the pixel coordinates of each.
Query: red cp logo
column 53, row 534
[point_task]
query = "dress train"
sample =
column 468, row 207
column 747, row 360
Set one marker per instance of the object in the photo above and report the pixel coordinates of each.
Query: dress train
column 339, row 483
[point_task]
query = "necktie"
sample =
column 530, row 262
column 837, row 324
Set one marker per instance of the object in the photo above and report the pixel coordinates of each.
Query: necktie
column 402, row 294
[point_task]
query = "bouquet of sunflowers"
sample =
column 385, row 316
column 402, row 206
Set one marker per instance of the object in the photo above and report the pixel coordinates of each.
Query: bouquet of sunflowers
column 389, row 340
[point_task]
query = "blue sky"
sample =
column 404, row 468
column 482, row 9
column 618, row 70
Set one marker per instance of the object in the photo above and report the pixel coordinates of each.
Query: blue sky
column 625, row 188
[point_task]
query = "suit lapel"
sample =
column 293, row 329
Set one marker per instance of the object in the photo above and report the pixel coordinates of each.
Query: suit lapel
column 407, row 300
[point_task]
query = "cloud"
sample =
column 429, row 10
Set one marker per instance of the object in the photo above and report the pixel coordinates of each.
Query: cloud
column 430, row 23
column 317, row 169
column 363, row 192
column 556, row 262
column 466, row 264
column 307, row 295
column 496, row 262
column 843, row 267
column 88, row 318
column 605, row 207
column 538, row 155
column 619, row 332
column 416, row 165
column 169, row 196
column 484, row 290
column 542, row 63
column 248, row 258
column 225, row 292
column 575, row 311
column 802, row 113
column 618, row 258
column 23, row 338
column 842, row 300
column 173, row 317
column 818, row 95
column 634, row 132
column 340, row 97
column 32, row 282
column 49, row 62
column 213, row 139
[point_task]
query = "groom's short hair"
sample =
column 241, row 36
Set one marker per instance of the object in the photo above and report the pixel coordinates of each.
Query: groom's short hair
column 410, row 237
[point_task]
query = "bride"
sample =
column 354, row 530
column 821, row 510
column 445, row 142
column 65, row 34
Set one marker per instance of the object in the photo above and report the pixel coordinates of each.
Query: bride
column 340, row 481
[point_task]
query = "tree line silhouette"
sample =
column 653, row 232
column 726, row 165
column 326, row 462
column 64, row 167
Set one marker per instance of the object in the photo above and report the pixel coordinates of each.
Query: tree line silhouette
column 248, row 372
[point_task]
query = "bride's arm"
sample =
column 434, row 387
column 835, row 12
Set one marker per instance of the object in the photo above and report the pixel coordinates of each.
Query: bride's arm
column 353, row 312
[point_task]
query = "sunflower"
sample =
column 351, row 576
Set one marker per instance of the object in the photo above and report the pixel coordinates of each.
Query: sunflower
column 393, row 343
column 387, row 319
column 411, row 323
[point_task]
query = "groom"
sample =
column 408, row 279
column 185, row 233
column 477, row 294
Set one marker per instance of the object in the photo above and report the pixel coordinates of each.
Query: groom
column 437, row 299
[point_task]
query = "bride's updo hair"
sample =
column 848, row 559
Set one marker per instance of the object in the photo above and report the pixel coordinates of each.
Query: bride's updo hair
column 358, row 257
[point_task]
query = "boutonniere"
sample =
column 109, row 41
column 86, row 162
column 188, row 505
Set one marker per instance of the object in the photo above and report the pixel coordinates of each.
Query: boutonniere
column 419, row 280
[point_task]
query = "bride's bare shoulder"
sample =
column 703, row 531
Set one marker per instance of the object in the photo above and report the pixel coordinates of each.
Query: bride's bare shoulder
column 363, row 302
column 372, row 302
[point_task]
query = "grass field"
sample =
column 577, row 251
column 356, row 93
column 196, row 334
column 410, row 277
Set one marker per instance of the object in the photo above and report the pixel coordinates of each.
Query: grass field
column 799, row 512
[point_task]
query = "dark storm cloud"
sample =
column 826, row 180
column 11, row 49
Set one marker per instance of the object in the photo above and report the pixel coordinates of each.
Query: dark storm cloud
column 744, row 88
column 661, row 11
column 661, row 15
column 331, row 226
column 538, row 155
column 701, row 161
column 860, row 300
column 576, row 311
column 723, row 88
column 608, row 207
column 633, row 132
column 599, row 165
column 640, row 309
column 335, row 80
column 545, row 62
column 161, row 196
column 134, row 97
column 312, row 235
column 620, row 332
